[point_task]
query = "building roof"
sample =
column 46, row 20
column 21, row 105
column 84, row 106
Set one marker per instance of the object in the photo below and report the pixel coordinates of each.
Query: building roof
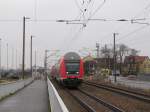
column 136, row 59
column 88, row 58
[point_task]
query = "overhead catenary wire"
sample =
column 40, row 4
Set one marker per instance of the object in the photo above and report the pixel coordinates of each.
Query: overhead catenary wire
column 81, row 17
column 135, row 17
column 78, row 18
column 35, row 9
column 85, row 20
column 99, row 7
column 43, row 20
column 78, row 6
column 31, row 20
column 136, row 30
column 141, row 12
column 133, row 32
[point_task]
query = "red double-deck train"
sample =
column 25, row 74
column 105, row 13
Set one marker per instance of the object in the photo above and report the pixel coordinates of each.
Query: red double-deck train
column 69, row 70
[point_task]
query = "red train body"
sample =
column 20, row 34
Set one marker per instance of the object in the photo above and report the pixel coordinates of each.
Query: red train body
column 69, row 70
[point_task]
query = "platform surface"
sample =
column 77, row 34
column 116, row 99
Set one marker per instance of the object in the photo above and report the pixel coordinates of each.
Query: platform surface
column 33, row 98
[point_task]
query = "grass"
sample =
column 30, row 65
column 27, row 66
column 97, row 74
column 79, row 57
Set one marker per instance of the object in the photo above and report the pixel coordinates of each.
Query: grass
column 6, row 81
column 6, row 96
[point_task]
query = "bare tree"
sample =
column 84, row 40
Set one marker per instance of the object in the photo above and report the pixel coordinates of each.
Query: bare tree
column 133, row 52
column 122, row 51
column 107, row 53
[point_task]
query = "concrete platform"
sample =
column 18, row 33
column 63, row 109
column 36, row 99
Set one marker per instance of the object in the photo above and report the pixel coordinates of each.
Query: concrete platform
column 33, row 98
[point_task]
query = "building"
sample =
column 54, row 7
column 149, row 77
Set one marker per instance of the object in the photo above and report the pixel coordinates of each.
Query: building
column 134, row 65
column 106, row 63
column 89, row 65
column 145, row 67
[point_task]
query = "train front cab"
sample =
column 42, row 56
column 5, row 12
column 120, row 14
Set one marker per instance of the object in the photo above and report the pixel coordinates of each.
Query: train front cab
column 72, row 82
column 73, row 73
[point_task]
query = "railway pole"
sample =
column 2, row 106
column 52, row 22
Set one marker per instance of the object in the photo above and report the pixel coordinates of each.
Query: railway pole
column 0, row 57
column 46, row 62
column 35, row 64
column 7, row 56
column 98, row 46
column 114, row 71
column 31, row 56
column 16, row 59
column 23, row 48
column 45, row 65
column 12, row 58
column 98, row 56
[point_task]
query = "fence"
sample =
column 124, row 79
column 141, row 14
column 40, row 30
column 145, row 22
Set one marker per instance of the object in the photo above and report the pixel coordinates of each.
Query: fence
column 56, row 103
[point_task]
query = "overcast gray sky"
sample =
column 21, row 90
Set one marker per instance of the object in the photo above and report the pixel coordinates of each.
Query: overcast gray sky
column 53, row 35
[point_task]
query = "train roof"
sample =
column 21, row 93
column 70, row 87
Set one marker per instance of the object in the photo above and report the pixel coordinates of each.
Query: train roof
column 71, row 56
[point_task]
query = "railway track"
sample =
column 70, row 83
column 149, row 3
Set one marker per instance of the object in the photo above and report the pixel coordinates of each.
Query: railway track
column 89, row 108
column 132, row 94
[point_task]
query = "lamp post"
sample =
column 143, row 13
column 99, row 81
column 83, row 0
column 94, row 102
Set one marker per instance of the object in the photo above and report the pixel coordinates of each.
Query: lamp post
column 31, row 55
column 23, row 49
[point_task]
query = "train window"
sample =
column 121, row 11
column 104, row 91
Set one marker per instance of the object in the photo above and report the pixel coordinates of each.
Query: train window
column 72, row 68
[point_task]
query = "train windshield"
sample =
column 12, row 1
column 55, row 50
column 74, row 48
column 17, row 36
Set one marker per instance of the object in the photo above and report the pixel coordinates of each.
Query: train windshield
column 72, row 68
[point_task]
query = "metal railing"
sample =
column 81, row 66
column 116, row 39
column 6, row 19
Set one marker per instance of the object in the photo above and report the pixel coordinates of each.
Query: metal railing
column 56, row 103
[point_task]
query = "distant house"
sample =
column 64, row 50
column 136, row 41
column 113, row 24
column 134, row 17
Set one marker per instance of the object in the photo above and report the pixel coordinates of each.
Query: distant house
column 145, row 67
column 106, row 63
column 134, row 64
column 89, row 65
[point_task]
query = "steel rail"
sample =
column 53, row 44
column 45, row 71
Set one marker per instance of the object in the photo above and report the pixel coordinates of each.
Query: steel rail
column 130, row 91
column 121, row 91
column 82, row 103
column 104, row 103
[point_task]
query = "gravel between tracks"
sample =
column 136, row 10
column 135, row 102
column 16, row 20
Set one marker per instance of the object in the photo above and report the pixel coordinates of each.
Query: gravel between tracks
column 123, row 102
column 70, row 102
column 94, row 104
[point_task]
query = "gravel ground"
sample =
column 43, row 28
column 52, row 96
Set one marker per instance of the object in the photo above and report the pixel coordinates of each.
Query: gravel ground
column 147, row 92
column 94, row 104
column 123, row 102
column 71, row 103
column 145, row 77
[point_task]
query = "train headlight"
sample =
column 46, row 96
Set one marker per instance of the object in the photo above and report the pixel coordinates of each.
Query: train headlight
column 67, row 72
column 77, row 72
